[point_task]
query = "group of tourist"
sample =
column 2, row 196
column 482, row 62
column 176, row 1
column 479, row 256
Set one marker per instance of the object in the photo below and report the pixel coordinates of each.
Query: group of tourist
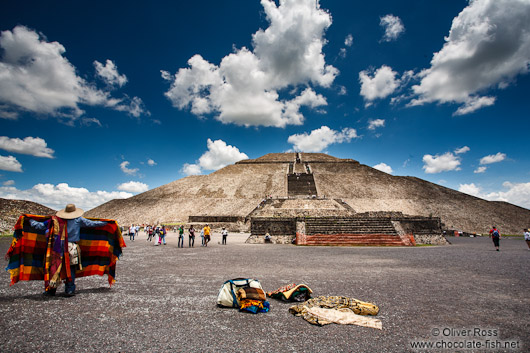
column 158, row 234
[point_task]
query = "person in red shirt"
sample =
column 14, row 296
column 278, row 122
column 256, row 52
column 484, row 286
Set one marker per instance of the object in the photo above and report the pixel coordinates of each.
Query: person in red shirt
column 495, row 236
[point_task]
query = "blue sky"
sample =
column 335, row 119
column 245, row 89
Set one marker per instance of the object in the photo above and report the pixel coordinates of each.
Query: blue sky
column 103, row 100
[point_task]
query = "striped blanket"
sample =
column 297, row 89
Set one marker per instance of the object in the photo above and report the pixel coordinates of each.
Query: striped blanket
column 38, row 255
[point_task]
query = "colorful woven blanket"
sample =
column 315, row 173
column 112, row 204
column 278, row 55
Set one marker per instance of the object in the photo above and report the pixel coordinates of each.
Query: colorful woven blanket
column 43, row 255
column 254, row 306
column 292, row 292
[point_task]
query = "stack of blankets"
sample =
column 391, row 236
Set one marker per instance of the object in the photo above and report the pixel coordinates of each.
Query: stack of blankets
column 252, row 300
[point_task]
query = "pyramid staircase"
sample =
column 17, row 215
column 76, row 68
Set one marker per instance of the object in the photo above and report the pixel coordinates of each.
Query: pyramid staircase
column 352, row 231
column 300, row 180
column 301, row 185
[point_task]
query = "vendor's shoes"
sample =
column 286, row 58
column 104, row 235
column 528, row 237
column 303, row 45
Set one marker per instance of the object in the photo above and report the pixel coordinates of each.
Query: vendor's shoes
column 70, row 294
column 48, row 293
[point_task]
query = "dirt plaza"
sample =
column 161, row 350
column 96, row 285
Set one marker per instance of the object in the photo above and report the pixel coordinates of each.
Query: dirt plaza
column 464, row 297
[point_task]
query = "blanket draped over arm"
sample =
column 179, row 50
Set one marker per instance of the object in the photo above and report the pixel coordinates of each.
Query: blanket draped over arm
column 43, row 254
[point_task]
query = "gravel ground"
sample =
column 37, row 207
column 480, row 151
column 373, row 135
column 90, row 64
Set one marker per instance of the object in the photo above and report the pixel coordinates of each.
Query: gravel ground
column 165, row 300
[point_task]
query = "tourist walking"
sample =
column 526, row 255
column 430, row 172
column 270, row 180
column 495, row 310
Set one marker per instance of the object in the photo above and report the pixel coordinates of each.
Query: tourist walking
column 163, row 233
column 224, row 233
column 527, row 237
column 202, row 237
column 191, row 240
column 206, row 230
column 495, row 236
column 74, row 222
column 181, row 236
column 132, row 231
column 157, row 236
column 149, row 232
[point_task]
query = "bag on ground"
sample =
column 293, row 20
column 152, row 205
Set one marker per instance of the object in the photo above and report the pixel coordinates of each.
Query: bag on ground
column 227, row 294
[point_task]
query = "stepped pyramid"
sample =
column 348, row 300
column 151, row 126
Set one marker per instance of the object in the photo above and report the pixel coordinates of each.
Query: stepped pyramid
column 309, row 184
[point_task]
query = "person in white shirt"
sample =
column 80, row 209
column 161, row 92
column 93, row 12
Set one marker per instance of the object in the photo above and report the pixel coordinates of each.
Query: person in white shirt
column 132, row 232
column 224, row 233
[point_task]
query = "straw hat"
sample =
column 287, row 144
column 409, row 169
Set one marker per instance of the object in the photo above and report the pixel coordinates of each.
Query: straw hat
column 70, row 212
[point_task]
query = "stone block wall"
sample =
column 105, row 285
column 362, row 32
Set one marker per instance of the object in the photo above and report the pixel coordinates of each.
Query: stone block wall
column 275, row 226
column 361, row 230
column 426, row 230
column 421, row 225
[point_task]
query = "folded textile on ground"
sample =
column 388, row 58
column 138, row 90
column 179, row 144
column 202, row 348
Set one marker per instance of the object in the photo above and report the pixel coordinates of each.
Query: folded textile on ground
column 254, row 306
column 343, row 317
column 292, row 292
column 334, row 309
column 250, row 293
column 43, row 255
column 252, row 300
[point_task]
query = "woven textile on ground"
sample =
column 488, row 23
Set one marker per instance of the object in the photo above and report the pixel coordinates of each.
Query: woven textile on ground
column 334, row 309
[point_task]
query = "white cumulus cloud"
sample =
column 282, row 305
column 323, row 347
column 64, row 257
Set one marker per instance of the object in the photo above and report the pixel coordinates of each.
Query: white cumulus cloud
column 493, row 158
column 474, row 103
column 462, row 150
column 133, row 186
column 378, row 84
column 319, row 139
column 440, row 163
column 191, row 169
column 384, row 168
column 124, row 166
column 374, row 124
column 470, row 189
column 514, row 193
column 244, row 88
column 90, row 122
column 480, row 170
column 151, row 162
column 109, row 73
column 218, row 156
column 10, row 163
column 34, row 146
column 348, row 41
column 37, row 78
column 487, row 47
column 393, row 27
column 58, row 196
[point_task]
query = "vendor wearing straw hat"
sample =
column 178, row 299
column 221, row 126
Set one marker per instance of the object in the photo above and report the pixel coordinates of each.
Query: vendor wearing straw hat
column 74, row 222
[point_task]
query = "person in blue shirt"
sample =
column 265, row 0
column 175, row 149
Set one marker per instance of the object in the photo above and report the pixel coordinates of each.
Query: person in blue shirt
column 74, row 222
